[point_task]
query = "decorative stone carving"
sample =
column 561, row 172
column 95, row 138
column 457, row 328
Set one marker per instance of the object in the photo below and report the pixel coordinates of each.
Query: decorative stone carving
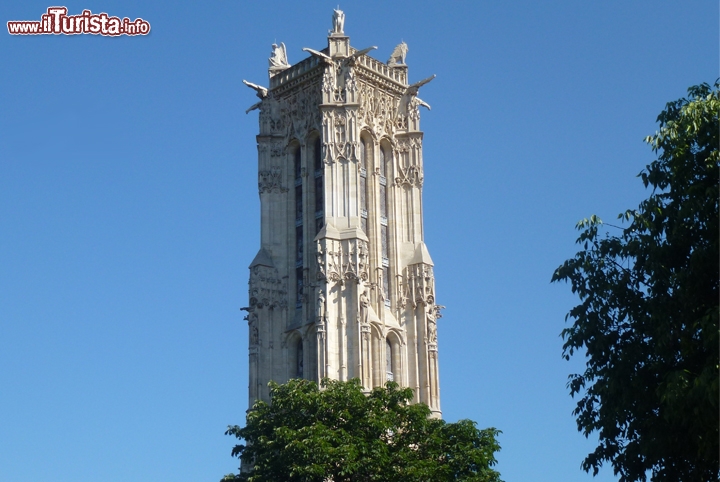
column 431, row 325
column 266, row 288
column 260, row 91
column 409, row 176
column 397, row 57
column 409, row 104
column 320, row 306
column 338, row 20
column 402, row 289
column 381, row 286
column 341, row 142
column 277, row 149
column 301, row 112
column 378, row 109
column 408, row 153
column 339, row 261
column 364, row 308
column 421, row 284
column 328, row 81
column 433, row 314
column 278, row 57
column 253, row 326
column 271, row 181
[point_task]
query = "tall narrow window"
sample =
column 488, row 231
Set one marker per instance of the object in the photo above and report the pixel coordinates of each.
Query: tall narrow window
column 383, row 161
column 384, row 242
column 299, row 287
column 298, row 203
column 318, row 155
column 297, row 165
column 319, row 191
column 363, row 186
column 363, row 203
column 388, row 361
column 383, row 198
column 363, row 155
column 299, row 231
column 300, row 359
column 299, row 245
column 386, row 284
column 385, row 158
column 319, row 186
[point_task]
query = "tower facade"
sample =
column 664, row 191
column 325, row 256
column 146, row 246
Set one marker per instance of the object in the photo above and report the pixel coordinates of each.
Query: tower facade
column 342, row 285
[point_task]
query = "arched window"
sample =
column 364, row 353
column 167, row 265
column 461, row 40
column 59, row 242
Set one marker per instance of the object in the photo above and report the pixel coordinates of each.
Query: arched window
column 389, row 361
column 299, row 359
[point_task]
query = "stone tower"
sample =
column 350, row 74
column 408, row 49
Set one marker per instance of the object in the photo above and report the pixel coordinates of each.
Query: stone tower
column 342, row 286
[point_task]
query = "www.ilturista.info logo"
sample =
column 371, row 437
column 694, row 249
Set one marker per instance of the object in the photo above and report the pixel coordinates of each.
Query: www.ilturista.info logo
column 57, row 21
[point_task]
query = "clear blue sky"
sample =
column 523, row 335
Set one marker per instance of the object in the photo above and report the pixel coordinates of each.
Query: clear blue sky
column 129, row 213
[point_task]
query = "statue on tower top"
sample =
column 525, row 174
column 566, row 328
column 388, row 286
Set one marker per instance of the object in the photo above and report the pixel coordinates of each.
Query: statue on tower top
column 398, row 55
column 278, row 58
column 338, row 22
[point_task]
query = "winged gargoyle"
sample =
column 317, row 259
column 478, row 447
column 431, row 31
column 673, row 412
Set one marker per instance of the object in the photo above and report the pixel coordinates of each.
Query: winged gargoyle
column 353, row 58
column 414, row 88
column 323, row 57
column 260, row 91
column 410, row 98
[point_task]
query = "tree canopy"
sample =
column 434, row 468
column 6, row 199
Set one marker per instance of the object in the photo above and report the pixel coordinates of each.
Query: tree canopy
column 648, row 313
column 337, row 432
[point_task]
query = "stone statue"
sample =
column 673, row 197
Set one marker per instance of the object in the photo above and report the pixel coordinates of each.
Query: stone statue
column 432, row 324
column 364, row 307
column 398, row 55
column 278, row 58
column 338, row 22
column 381, row 286
column 254, row 335
column 320, row 308
column 320, row 264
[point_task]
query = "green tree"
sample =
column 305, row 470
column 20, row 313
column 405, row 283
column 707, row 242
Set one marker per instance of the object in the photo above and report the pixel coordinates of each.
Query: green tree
column 648, row 317
column 339, row 433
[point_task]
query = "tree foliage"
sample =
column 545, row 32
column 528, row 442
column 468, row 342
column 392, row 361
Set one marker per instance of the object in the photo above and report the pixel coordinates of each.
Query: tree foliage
column 338, row 433
column 648, row 317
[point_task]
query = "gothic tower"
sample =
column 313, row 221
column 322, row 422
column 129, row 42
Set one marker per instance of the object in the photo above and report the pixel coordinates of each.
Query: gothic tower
column 342, row 286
